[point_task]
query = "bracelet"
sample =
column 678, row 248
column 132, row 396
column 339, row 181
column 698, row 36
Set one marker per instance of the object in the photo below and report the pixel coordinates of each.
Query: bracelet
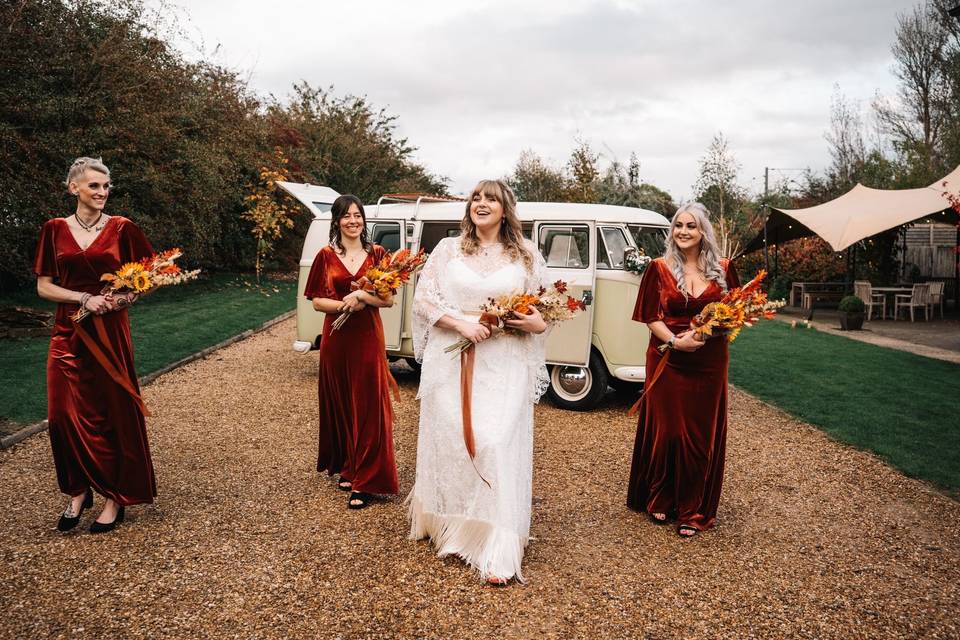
column 84, row 298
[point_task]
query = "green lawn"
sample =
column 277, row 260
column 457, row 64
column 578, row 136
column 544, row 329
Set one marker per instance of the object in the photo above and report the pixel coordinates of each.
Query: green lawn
column 167, row 326
column 901, row 406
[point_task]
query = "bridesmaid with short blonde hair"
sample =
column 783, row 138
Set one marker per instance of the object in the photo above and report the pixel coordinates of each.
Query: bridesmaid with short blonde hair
column 96, row 417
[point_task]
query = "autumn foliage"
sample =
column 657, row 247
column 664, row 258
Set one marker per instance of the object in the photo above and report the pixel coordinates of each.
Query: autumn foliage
column 184, row 140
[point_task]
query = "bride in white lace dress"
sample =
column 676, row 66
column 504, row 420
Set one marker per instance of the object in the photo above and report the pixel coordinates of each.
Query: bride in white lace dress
column 478, row 509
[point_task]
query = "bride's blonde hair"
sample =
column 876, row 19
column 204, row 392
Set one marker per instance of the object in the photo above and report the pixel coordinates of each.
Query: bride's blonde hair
column 511, row 232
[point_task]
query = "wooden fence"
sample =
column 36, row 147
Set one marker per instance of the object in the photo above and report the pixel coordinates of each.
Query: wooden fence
column 931, row 247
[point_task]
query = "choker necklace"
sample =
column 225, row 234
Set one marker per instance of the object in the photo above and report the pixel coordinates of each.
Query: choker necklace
column 93, row 226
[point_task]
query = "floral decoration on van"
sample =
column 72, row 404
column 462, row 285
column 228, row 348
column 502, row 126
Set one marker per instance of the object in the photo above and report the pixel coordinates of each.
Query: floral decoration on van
column 636, row 261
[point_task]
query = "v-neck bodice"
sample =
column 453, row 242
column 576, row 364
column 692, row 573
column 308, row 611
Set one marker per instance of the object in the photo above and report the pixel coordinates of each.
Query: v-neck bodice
column 362, row 267
column 661, row 299
column 329, row 277
column 60, row 256
column 95, row 238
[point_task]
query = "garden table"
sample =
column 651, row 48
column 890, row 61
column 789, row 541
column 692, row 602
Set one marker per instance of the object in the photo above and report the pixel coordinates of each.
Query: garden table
column 799, row 289
column 890, row 293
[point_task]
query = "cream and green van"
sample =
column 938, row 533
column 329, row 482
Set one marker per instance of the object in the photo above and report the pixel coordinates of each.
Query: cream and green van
column 583, row 245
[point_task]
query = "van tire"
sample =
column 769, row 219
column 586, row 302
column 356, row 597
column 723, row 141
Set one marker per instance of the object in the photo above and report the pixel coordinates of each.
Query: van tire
column 413, row 364
column 585, row 398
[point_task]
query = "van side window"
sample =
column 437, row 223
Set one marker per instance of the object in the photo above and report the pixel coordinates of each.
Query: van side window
column 565, row 246
column 610, row 246
column 386, row 234
column 431, row 233
column 651, row 239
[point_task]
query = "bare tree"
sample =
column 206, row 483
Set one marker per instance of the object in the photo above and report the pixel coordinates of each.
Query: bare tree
column 847, row 148
column 917, row 116
column 717, row 188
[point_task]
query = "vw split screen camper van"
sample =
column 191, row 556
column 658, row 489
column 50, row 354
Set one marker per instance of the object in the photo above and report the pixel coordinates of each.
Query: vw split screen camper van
column 583, row 244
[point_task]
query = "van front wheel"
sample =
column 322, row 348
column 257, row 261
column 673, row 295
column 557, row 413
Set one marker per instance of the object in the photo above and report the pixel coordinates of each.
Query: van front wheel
column 579, row 388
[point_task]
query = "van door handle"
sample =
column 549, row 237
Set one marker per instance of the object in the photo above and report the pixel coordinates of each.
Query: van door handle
column 587, row 298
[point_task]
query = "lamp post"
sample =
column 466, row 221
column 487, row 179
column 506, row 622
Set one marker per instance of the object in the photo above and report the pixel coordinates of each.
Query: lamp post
column 766, row 205
column 955, row 13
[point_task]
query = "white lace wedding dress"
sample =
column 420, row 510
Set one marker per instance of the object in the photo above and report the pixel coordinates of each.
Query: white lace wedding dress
column 487, row 526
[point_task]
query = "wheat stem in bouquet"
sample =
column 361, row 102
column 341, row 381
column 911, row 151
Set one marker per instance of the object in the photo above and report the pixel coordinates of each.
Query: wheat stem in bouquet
column 159, row 270
column 385, row 278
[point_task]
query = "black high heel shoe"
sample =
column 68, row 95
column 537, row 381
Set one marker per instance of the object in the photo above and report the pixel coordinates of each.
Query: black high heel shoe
column 65, row 523
column 100, row 527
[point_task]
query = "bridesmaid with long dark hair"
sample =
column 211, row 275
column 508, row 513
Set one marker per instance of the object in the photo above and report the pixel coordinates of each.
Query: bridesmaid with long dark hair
column 679, row 452
column 96, row 417
column 356, row 418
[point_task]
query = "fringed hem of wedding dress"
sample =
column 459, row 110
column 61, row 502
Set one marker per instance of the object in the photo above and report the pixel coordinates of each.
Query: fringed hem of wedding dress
column 493, row 551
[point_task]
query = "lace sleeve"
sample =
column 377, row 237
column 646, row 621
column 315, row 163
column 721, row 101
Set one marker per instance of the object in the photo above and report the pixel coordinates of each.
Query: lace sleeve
column 429, row 301
column 537, row 344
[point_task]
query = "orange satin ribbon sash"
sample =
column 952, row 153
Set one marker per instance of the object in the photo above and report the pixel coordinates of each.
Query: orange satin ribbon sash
column 108, row 359
column 466, row 401
column 391, row 381
column 648, row 384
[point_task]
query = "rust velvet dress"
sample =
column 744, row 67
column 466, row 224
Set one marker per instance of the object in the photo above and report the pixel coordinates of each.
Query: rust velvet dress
column 682, row 431
column 97, row 428
column 356, row 418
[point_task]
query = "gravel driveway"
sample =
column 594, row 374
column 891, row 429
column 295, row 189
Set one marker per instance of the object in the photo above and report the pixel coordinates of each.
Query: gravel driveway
column 246, row 540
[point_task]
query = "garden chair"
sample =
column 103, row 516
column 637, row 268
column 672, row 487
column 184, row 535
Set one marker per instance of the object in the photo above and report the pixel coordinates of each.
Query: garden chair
column 864, row 290
column 936, row 297
column 919, row 297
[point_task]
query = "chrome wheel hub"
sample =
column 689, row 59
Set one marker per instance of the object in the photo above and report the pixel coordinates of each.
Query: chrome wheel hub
column 573, row 380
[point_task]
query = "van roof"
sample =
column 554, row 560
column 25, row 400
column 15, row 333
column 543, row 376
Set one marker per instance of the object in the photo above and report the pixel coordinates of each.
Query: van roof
column 314, row 197
column 526, row 211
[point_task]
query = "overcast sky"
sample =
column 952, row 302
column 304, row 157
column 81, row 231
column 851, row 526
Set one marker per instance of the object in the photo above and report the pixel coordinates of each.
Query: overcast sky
column 474, row 84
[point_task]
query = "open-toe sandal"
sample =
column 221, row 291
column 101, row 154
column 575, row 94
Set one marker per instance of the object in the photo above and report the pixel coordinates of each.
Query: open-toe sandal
column 344, row 485
column 687, row 531
column 656, row 520
column 359, row 500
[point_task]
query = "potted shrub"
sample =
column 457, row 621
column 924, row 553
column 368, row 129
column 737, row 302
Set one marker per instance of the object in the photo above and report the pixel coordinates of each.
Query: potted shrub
column 851, row 313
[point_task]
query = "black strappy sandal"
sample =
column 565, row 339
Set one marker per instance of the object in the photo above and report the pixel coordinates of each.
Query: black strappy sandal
column 361, row 497
column 656, row 520
column 682, row 529
column 343, row 484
